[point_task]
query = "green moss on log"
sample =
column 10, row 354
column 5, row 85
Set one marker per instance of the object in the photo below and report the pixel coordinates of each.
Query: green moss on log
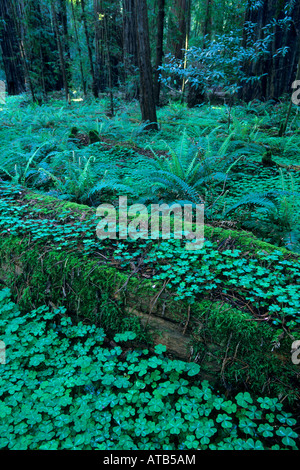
column 232, row 348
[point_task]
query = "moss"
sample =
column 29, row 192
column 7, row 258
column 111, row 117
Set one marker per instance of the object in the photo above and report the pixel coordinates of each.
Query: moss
column 243, row 351
column 244, row 241
column 230, row 345
column 55, row 279
column 240, row 239
column 51, row 205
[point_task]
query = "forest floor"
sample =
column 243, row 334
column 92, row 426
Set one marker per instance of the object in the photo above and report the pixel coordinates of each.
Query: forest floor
column 250, row 180
column 34, row 138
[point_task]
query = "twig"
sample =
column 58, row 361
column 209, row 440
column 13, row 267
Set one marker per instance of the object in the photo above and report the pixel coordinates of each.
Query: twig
column 187, row 321
column 225, row 357
column 155, row 299
column 135, row 269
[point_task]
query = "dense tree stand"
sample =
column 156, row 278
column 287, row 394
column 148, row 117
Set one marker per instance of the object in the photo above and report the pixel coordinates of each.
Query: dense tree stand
column 147, row 98
column 11, row 50
column 278, row 71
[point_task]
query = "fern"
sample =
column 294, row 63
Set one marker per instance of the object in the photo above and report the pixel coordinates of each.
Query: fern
column 263, row 199
column 110, row 184
column 80, row 182
column 271, row 215
column 188, row 174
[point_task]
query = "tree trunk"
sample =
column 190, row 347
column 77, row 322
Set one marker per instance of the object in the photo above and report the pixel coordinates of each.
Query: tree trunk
column 99, row 49
column 147, row 99
column 130, row 51
column 283, row 125
column 43, row 83
column 83, row 81
column 11, row 50
column 129, row 36
column 61, row 52
column 207, row 27
column 159, row 48
column 186, row 45
column 86, row 31
column 63, row 20
column 279, row 70
column 178, row 24
column 108, row 57
column 23, row 26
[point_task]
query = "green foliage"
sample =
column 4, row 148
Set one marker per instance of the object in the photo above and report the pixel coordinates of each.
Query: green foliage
column 65, row 384
column 272, row 215
column 195, row 156
column 82, row 180
column 219, row 63
column 64, row 387
column 268, row 280
column 189, row 174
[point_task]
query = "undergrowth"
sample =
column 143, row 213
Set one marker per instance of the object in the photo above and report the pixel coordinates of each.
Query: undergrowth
column 198, row 154
column 110, row 396
column 267, row 282
column 64, row 386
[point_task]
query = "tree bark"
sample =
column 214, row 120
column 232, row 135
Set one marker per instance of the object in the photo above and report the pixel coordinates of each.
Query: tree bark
column 186, row 44
column 130, row 49
column 63, row 20
column 147, row 99
column 11, row 50
column 159, row 48
column 109, row 68
column 207, row 27
column 99, row 43
column 129, row 36
column 283, row 125
column 61, row 52
column 83, row 81
column 21, row 27
column 86, row 31
column 178, row 27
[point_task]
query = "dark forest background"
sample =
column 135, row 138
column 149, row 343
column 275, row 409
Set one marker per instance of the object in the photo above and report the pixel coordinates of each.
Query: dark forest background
column 150, row 49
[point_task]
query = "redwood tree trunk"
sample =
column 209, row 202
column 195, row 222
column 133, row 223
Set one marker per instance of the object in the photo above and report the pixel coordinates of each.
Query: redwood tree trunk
column 159, row 47
column 11, row 50
column 129, row 36
column 179, row 26
column 90, row 55
column 21, row 31
column 207, row 27
column 147, row 98
column 60, row 51
column 108, row 64
column 99, row 46
column 83, row 80
column 63, row 20
column 130, row 51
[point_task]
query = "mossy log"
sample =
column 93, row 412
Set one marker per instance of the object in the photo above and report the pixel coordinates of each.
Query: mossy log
column 233, row 349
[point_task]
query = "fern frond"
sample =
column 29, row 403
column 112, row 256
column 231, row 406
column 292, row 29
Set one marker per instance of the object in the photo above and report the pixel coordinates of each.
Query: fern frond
column 254, row 199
